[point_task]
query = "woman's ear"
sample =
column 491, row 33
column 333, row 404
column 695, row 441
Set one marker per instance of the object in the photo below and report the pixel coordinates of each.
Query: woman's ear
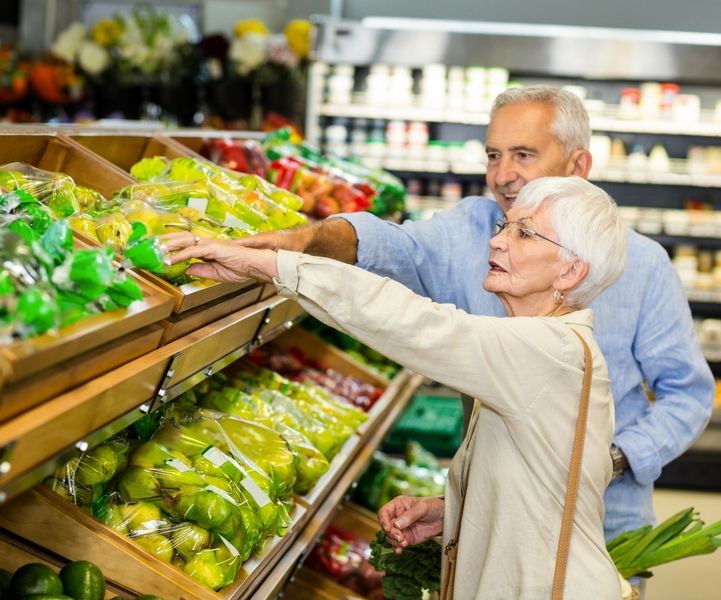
column 572, row 273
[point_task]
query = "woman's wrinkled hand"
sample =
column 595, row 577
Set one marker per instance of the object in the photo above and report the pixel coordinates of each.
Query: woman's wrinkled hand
column 221, row 260
column 408, row 520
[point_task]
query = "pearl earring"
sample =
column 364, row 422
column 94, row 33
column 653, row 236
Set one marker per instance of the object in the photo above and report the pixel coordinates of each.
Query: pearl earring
column 557, row 296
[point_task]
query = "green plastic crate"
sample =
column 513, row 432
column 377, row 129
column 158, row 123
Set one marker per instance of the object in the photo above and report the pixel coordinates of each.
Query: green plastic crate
column 436, row 422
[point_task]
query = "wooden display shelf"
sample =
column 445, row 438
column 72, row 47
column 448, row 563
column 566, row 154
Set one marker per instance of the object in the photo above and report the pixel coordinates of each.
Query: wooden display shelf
column 71, row 372
column 34, row 443
column 45, row 518
column 329, row 356
column 130, row 565
column 30, row 356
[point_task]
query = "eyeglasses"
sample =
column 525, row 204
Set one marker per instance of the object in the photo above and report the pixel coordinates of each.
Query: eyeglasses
column 522, row 232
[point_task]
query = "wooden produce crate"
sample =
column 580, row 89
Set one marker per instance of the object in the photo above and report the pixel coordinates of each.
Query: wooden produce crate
column 42, row 517
column 123, row 151
column 43, row 366
column 329, row 356
column 60, row 154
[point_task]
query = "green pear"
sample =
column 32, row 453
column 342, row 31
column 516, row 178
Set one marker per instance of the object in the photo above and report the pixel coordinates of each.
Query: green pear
column 136, row 483
column 141, row 517
column 204, row 567
column 149, row 455
column 84, row 224
column 114, row 231
column 189, row 539
column 181, row 439
column 97, row 466
column 158, row 545
column 147, row 216
column 206, row 508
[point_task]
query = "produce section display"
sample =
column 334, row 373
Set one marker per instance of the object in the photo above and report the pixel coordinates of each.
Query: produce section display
column 145, row 501
column 202, row 483
column 327, row 185
column 183, row 194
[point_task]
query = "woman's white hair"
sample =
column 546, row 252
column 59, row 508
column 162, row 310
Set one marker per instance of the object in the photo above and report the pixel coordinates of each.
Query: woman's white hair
column 588, row 225
column 570, row 126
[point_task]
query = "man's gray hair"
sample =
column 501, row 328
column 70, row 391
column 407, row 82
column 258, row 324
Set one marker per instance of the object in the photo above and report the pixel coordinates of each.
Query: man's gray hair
column 571, row 126
column 587, row 223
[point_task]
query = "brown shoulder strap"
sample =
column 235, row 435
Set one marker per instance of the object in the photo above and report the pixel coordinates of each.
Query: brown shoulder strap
column 574, row 475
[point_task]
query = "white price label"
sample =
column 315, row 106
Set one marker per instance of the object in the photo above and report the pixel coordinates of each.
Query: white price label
column 177, row 464
column 260, row 497
column 198, row 203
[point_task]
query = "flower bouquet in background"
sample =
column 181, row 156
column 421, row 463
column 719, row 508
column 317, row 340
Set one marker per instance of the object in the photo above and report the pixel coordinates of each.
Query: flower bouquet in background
column 278, row 63
column 145, row 55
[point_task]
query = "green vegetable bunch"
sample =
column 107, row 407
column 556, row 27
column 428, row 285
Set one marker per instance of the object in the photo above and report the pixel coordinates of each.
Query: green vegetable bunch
column 682, row 535
column 406, row 575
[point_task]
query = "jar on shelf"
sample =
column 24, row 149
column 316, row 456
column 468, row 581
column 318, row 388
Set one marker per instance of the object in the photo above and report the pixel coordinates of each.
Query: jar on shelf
column 433, row 86
column 375, row 148
column 340, row 84
column 358, row 137
column 650, row 103
column 686, row 108
column 451, row 190
column 628, row 107
column 400, row 87
column 669, row 91
column 436, row 151
column 396, row 139
column 336, row 138
column 417, row 139
column 377, row 83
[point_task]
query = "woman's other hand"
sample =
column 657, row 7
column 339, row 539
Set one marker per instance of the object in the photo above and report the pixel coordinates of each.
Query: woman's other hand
column 222, row 260
column 408, row 520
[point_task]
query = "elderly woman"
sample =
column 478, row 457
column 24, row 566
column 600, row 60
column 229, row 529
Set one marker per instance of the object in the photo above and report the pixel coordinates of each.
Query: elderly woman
column 501, row 517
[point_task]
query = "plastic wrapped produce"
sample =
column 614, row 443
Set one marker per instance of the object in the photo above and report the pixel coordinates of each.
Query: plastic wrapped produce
column 278, row 207
column 284, row 418
column 56, row 190
column 387, row 477
column 246, row 156
column 44, row 282
column 389, row 197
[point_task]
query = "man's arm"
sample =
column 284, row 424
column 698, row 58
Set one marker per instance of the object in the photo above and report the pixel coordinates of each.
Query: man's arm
column 444, row 258
column 670, row 358
column 333, row 238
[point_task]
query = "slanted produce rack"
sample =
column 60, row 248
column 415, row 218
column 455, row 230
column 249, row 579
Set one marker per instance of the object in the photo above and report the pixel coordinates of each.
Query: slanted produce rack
column 43, row 434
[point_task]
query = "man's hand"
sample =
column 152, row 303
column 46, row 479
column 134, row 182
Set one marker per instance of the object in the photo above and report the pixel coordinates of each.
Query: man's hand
column 408, row 520
column 222, row 260
column 334, row 238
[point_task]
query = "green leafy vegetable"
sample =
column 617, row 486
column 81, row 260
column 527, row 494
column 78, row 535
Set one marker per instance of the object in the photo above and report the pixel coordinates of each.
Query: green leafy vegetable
column 406, row 575
column 682, row 535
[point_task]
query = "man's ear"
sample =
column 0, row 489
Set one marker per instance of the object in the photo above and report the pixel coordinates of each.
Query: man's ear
column 572, row 273
column 579, row 164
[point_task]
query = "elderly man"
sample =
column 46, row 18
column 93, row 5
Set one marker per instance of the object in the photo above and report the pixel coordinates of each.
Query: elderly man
column 643, row 321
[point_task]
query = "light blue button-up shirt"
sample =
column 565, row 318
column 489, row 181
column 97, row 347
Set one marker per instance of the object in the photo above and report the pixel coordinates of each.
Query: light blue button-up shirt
column 643, row 325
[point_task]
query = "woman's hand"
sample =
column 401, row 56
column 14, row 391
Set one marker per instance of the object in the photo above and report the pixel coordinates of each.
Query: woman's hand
column 408, row 520
column 222, row 260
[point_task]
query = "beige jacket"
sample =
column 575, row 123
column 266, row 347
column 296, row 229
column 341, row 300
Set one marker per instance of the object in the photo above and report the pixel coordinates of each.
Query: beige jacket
column 527, row 373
